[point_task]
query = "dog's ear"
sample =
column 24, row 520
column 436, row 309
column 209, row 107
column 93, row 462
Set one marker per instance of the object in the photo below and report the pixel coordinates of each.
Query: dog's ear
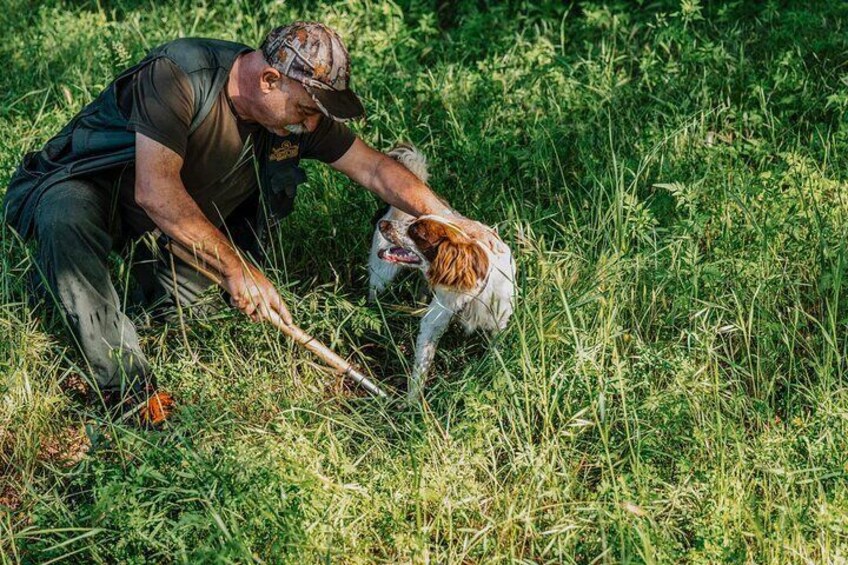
column 458, row 264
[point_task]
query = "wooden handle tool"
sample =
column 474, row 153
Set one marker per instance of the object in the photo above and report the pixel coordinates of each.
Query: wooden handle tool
column 334, row 361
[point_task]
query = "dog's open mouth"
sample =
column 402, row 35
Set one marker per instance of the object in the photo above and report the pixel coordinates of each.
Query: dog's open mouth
column 399, row 255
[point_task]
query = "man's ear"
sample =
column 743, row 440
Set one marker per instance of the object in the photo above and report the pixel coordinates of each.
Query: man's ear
column 269, row 79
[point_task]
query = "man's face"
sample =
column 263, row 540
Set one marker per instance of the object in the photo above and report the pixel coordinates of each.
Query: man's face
column 285, row 107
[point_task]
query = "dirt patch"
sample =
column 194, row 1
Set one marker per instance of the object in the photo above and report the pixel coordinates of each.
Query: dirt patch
column 66, row 448
column 76, row 387
column 10, row 498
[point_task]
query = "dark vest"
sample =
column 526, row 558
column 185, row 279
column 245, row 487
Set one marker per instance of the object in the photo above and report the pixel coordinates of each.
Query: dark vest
column 97, row 138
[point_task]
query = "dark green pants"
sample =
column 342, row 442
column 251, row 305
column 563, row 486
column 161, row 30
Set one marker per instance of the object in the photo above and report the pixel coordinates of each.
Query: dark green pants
column 76, row 228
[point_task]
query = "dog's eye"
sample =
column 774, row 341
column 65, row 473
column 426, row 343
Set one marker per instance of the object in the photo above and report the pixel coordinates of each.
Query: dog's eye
column 423, row 240
column 415, row 230
column 420, row 232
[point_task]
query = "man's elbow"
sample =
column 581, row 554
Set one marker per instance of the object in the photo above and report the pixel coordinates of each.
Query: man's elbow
column 148, row 200
column 142, row 197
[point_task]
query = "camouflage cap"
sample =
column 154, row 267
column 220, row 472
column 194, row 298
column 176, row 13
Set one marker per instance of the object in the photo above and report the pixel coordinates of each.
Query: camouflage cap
column 314, row 55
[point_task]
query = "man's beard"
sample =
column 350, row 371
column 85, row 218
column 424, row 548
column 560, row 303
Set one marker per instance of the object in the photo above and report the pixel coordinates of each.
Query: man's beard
column 296, row 129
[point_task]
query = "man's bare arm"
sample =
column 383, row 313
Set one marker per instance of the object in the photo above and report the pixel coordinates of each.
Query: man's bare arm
column 160, row 192
column 396, row 185
column 389, row 180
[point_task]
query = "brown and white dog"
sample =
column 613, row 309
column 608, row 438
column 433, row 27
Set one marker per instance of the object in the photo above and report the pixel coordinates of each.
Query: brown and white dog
column 467, row 278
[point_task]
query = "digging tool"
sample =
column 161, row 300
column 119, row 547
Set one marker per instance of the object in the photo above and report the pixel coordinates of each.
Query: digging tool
column 337, row 363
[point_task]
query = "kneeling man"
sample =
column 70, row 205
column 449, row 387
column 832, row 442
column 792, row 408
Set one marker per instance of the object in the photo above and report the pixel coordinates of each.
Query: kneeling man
column 200, row 138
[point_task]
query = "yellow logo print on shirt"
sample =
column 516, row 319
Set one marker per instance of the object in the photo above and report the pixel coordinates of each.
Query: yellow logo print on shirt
column 285, row 151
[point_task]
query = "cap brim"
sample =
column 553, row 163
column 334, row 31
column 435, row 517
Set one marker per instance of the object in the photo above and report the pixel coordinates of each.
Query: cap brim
column 341, row 104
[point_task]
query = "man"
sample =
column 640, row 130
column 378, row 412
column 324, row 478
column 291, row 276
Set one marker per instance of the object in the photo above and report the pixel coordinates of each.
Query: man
column 174, row 144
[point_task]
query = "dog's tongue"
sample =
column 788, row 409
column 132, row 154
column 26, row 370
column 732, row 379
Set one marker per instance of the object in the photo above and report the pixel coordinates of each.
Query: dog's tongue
column 403, row 254
column 399, row 254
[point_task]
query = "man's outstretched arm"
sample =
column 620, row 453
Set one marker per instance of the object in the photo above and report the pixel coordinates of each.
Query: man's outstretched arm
column 389, row 180
column 395, row 185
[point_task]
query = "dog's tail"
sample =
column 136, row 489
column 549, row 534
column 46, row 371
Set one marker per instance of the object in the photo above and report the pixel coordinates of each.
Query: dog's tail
column 407, row 155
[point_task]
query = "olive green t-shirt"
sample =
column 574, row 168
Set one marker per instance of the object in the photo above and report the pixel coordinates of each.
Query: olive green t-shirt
column 218, row 165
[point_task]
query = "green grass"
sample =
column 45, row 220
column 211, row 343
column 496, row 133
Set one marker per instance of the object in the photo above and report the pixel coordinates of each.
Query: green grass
column 673, row 179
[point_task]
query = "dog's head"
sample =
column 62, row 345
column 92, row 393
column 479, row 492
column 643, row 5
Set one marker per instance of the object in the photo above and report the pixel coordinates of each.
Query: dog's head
column 448, row 257
column 468, row 279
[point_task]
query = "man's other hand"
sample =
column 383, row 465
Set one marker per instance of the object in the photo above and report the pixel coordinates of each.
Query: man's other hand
column 252, row 293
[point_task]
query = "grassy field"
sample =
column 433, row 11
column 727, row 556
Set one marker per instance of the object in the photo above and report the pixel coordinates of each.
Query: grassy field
column 673, row 179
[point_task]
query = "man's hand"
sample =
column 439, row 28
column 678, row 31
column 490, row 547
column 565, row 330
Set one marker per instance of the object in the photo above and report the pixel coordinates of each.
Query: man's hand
column 478, row 232
column 252, row 293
